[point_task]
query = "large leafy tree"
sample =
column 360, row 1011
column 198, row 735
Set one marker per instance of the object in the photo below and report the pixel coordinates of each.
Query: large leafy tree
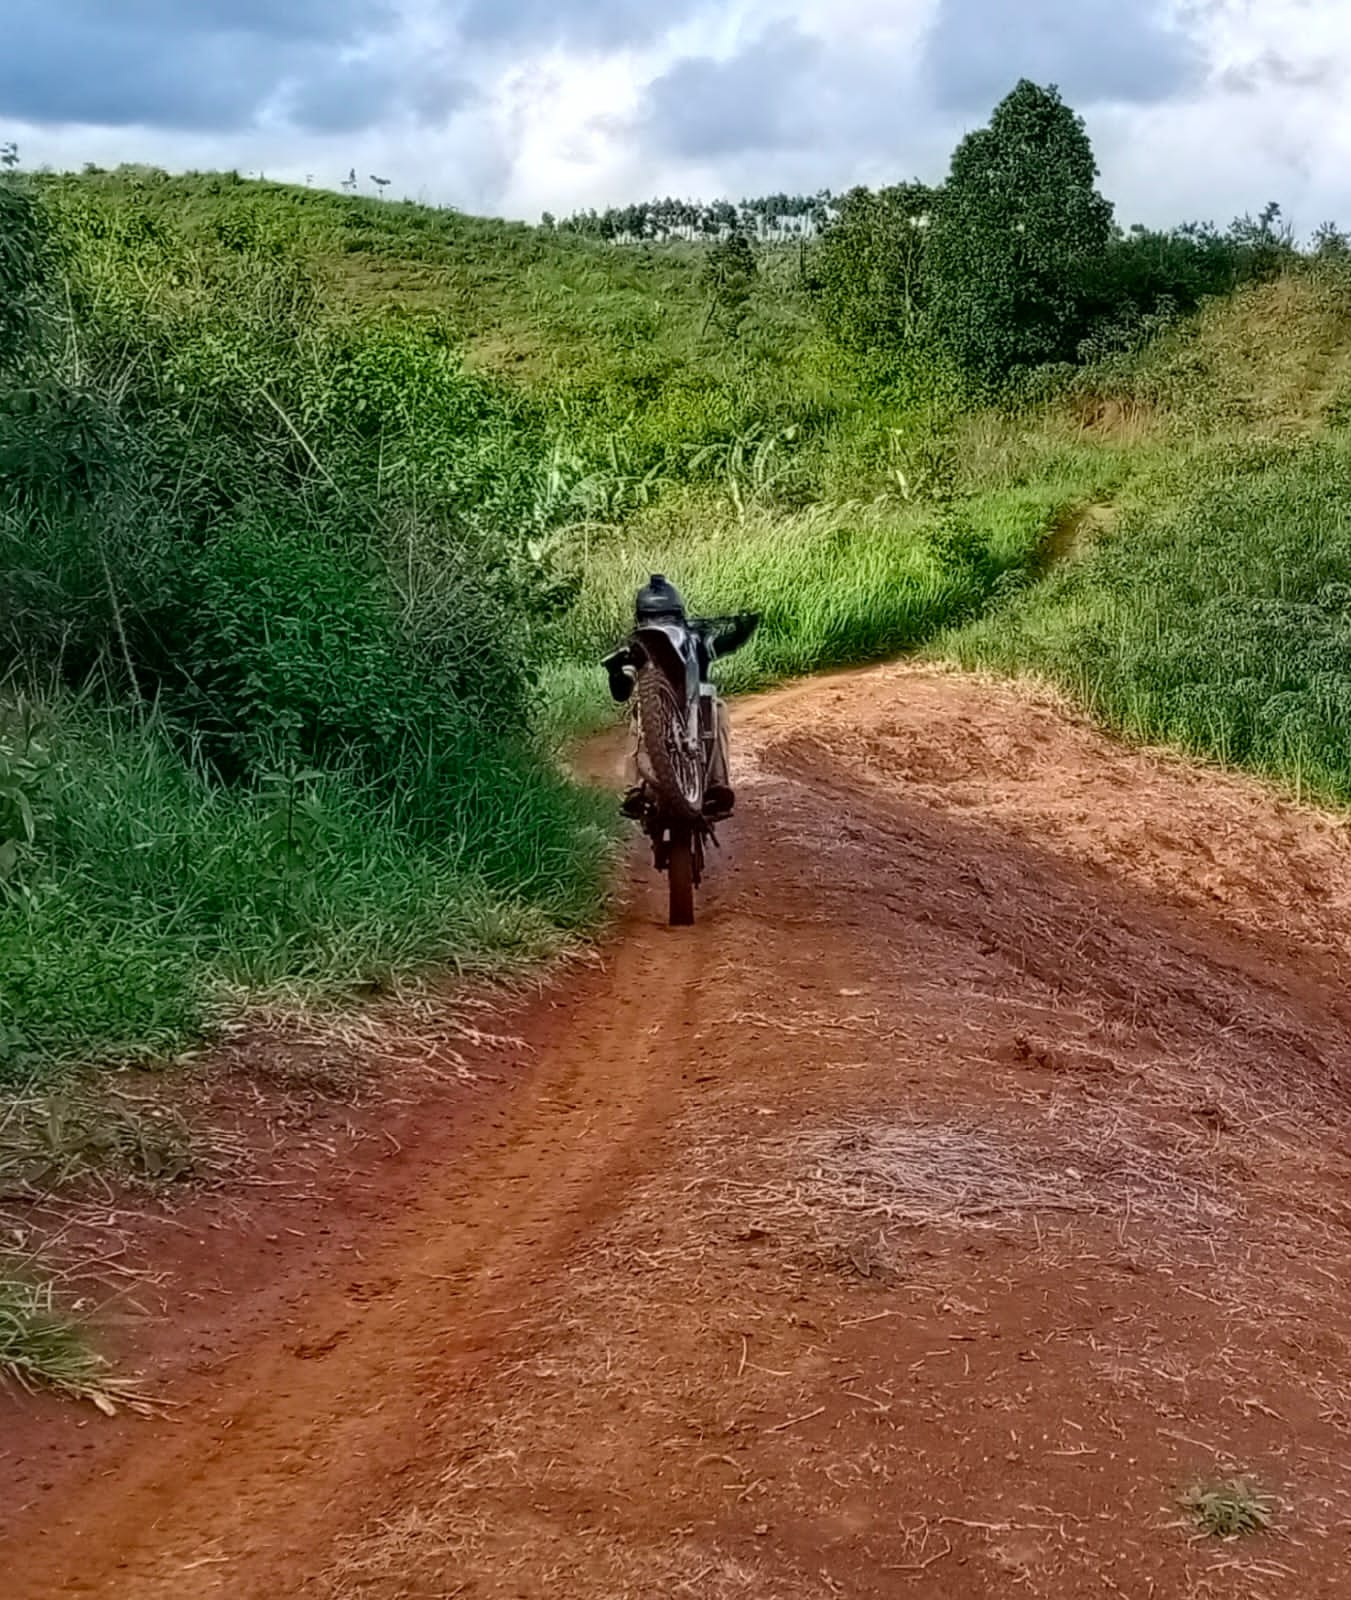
column 1018, row 235
column 869, row 267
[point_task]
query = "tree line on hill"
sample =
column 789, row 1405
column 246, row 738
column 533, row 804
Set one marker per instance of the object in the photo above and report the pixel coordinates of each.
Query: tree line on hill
column 772, row 218
column 1014, row 263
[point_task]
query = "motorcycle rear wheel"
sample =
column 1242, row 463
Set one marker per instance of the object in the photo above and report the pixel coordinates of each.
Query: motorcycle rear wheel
column 676, row 770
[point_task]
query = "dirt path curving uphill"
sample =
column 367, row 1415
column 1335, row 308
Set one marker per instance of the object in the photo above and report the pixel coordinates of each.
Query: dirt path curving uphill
column 969, row 1184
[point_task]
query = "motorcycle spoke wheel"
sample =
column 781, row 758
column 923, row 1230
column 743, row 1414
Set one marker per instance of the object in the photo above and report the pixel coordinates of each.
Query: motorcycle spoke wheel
column 676, row 767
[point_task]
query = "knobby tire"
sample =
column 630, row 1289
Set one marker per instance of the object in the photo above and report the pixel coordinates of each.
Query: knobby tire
column 660, row 723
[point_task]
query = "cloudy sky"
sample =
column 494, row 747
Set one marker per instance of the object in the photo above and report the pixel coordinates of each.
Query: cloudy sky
column 1197, row 108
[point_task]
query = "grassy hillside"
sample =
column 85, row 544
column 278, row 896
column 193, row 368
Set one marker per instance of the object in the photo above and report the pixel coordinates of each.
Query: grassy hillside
column 527, row 301
column 1272, row 359
column 315, row 517
column 318, row 512
column 1213, row 614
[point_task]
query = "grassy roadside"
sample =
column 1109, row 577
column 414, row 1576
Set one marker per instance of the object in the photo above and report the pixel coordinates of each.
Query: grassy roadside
column 1212, row 615
column 157, row 899
column 833, row 587
column 1216, row 618
column 836, row 585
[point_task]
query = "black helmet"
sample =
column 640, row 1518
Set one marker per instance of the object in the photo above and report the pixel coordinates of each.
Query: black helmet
column 658, row 598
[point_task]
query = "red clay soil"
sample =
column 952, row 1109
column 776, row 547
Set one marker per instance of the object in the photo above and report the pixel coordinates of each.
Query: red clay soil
column 966, row 1188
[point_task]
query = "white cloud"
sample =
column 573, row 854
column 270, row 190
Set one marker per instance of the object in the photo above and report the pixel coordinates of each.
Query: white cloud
column 575, row 103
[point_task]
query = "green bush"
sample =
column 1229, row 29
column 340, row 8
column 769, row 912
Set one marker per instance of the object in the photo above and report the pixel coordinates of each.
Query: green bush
column 869, row 269
column 270, row 577
column 25, row 247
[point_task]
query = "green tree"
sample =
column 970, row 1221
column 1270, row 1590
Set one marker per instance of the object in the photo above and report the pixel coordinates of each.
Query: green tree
column 870, row 266
column 729, row 280
column 1331, row 243
column 1267, row 241
column 1018, row 235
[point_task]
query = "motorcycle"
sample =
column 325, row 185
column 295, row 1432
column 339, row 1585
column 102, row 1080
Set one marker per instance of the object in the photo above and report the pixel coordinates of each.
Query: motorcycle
column 677, row 729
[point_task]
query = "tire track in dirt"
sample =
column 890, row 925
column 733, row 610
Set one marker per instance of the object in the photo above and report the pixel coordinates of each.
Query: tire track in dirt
column 308, row 1427
column 965, row 1184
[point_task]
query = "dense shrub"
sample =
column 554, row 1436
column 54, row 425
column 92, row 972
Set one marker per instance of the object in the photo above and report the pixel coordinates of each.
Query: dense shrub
column 1013, row 263
column 271, row 575
column 869, row 269
column 728, row 278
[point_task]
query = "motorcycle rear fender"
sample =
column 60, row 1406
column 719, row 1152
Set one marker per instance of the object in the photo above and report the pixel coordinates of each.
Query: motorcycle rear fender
column 670, row 649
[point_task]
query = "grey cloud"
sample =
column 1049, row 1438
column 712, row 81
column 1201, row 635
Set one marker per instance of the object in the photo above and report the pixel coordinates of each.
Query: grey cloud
column 1272, row 70
column 213, row 66
column 759, row 99
column 793, row 93
column 272, row 19
column 342, row 96
column 600, row 24
column 1095, row 50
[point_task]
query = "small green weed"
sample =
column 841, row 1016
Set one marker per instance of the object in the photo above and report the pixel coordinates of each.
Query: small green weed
column 1227, row 1510
column 24, row 768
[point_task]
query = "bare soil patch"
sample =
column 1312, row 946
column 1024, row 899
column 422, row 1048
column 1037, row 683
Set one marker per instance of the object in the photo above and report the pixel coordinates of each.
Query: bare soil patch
column 951, row 1213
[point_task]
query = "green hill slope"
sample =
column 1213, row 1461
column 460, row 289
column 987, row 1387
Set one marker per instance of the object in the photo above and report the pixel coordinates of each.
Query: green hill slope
column 540, row 298
column 1273, row 358
column 317, row 512
column 1214, row 611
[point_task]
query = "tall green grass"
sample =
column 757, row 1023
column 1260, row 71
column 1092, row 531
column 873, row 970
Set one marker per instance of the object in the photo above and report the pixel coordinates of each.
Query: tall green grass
column 834, row 585
column 1217, row 619
column 147, row 895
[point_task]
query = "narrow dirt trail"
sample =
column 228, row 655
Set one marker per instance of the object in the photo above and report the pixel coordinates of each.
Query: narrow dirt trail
column 969, row 1183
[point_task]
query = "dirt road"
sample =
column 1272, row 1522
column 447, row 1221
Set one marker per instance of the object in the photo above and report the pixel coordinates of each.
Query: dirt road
column 966, row 1187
